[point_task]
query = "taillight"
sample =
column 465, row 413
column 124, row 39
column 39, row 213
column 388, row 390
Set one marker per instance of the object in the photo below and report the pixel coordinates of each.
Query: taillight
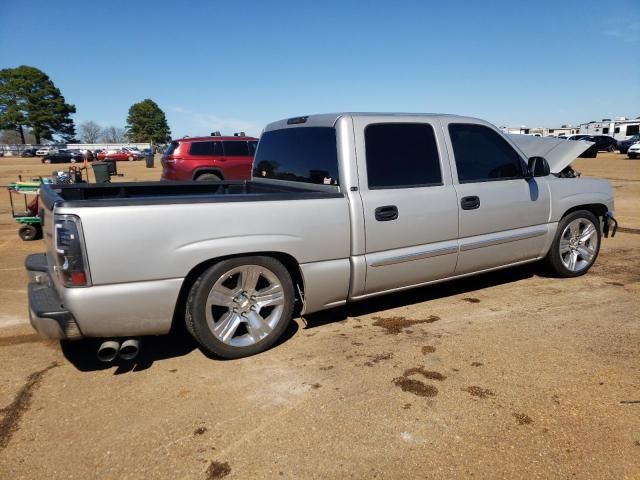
column 70, row 258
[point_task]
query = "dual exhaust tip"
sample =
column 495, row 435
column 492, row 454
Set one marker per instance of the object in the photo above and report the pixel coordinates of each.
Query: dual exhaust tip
column 127, row 350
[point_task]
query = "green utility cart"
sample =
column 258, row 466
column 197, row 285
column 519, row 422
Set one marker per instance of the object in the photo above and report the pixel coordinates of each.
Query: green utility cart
column 30, row 228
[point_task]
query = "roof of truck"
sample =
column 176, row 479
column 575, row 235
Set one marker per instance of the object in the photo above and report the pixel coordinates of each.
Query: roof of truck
column 330, row 119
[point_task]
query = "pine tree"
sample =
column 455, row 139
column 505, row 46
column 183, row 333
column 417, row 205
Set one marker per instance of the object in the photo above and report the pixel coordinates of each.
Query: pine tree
column 146, row 122
column 28, row 98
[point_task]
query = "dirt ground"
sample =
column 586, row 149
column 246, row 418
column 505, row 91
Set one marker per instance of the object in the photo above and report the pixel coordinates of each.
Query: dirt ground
column 505, row 375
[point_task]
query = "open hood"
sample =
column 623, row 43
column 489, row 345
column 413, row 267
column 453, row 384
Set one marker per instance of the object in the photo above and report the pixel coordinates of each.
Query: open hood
column 558, row 152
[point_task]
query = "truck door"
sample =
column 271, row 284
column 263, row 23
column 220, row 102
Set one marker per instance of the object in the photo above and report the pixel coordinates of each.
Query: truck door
column 503, row 217
column 410, row 210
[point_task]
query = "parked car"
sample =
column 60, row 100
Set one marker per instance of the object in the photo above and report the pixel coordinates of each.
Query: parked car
column 62, row 156
column 634, row 151
column 41, row 152
column 324, row 220
column 592, row 151
column 623, row 145
column 209, row 158
column 28, row 152
column 604, row 143
column 121, row 154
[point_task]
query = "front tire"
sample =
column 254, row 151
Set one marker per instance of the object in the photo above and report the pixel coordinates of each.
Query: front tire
column 241, row 306
column 576, row 244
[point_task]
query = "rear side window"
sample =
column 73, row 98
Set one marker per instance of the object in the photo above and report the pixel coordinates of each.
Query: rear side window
column 205, row 148
column 171, row 148
column 482, row 155
column 304, row 154
column 401, row 155
column 236, row 149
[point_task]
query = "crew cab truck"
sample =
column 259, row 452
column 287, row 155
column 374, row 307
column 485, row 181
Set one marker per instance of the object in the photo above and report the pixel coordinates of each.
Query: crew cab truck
column 340, row 207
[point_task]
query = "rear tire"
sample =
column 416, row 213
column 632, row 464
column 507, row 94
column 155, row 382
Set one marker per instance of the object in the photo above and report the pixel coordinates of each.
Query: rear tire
column 576, row 244
column 240, row 306
column 28, row 233
column 208, row 177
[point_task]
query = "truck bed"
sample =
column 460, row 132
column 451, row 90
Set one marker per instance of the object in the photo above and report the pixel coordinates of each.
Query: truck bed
column 162, row 193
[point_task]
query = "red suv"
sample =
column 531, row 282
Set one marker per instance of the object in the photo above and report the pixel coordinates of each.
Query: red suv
column 209, row 158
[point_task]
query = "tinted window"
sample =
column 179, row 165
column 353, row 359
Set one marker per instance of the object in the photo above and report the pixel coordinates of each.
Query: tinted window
column 306, row 154
column 252, row 147
column 482, row 155
column 170, row 149
column 632, row 129
column 236, row 149
column 205, row 148
column 401, row 155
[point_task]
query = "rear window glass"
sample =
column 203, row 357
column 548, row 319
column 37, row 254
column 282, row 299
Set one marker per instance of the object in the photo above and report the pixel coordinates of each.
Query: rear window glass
column 401, row 155
column 205, row 148
column 171, row 148
column 305, row 154
column 252, row 147
column 236, row 149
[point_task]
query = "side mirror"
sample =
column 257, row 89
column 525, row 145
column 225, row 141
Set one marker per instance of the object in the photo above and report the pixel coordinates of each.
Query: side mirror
column 537, row 167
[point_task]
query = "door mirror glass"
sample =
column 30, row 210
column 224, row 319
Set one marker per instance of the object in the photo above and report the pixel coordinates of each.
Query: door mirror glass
column 537, row 167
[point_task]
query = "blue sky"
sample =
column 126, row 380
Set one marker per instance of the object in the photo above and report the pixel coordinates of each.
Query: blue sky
column 234, row 66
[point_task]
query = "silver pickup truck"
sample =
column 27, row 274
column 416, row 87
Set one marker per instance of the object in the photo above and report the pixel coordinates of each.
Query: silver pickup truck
column 341, row 207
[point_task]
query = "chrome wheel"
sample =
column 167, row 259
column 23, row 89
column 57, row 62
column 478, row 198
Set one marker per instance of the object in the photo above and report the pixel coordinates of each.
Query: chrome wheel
column 578, row 244
column 244, row 305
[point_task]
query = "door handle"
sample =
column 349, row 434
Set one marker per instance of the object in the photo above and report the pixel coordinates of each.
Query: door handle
column 386, row 213
column 470, row 203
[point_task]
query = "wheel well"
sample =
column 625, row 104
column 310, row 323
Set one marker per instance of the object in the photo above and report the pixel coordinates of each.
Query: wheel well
column 290, row 263
column 201, row 171
column 598, row 209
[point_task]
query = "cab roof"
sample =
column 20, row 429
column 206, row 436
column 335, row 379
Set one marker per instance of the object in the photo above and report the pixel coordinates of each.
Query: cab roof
column 330, row 119
column 200, row 139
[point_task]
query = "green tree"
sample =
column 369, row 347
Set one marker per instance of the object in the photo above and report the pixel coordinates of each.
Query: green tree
column 28, row 98
column 146, row 122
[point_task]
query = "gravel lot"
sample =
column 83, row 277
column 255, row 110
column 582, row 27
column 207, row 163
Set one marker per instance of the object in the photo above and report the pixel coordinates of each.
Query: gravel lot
column 505, row 375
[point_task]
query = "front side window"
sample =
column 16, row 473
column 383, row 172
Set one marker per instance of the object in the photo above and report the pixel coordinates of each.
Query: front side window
column 482, row 154
column 401, row 155
column 236, row 148
column 205, row 149
column 300, row 154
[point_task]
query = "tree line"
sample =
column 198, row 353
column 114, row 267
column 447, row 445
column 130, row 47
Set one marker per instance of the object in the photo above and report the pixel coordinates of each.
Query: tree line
column 33, row 110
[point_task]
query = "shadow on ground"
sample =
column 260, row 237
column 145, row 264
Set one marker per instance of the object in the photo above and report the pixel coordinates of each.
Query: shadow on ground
column 424, row 294
column 82, row 354
column 178, row 343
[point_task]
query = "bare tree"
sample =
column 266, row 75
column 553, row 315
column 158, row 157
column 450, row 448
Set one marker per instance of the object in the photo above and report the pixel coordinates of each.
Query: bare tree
column 13, row 137
column 113, row 134
column 89, row 132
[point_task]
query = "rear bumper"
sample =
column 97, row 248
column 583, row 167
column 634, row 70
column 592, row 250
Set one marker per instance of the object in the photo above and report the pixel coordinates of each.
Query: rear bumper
column 46, row 311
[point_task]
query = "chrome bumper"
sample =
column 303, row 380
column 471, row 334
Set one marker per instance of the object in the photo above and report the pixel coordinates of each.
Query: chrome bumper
column 46, row 311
